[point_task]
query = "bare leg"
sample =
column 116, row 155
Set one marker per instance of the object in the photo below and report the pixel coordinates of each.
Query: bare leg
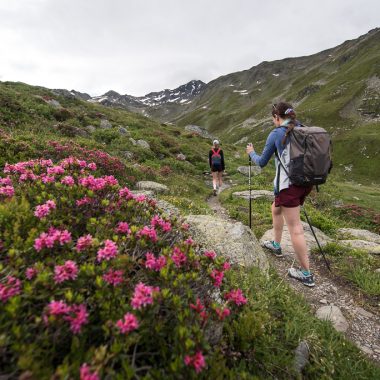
column 293, row 221
column 214, row 179
column 220, row 179
column 278, row 223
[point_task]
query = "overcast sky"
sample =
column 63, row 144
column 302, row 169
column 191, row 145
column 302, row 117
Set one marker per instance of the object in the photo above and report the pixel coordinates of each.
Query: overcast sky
column 138, row 46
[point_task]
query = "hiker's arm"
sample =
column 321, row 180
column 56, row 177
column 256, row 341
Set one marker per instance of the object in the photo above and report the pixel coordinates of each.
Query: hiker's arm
column 222, row 157
column 209, row 158
column 269, row 149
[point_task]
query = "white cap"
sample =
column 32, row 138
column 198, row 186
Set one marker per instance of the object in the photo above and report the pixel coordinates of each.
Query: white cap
column 215, row 142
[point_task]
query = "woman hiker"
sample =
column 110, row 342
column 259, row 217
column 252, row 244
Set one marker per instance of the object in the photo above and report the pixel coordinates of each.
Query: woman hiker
column 216, row 161
column 288, row 197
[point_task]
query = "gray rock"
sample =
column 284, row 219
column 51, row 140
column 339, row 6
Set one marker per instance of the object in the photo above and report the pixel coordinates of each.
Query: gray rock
column 123, row 131
column 128, row 155
column 255, row 194
column 181, row 157
column 105, row 124
column 143, row 144
column 364, row 245
column 54, row 103
column 154, row 186
column 168, row 208
column 323, row 301
column 301, row 356
column 377, row 270
column 147, row 193
column 255, row 170
column 359, row 234
column 333, row 314
column 286, row 243
column 90, row 128
column 133, row 141
column 364, row 313
column 231, row 240
column 202, row 132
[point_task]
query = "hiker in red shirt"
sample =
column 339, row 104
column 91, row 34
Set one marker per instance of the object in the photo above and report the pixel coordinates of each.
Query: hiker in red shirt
column 216, row 161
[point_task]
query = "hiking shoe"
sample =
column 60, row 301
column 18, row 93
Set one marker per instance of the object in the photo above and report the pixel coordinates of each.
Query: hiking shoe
column 298, row 275
column 214, row 192
column 269, row 244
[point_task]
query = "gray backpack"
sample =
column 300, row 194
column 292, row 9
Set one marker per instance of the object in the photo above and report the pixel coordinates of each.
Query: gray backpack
column 310, row 155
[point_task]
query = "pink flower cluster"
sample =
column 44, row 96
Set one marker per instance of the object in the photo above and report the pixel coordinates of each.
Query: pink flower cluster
column 189, row 241
column 11, row 288
column 150, row 233
column 47, row 240
column 155, row 263
column 108, row 252
column 123, row 228
column 126, row 193
column 6, row 181
column 128, row 323
column 84, row 201
column 199, row 308
column 44, row 209
column 68, row 180
column 157, row 221
column 72, row 161
column 68, row 271
column 84, row 242
column 7, row 191
column 113, row 277
column 236, row 296
column 178, row 257
column 217, row 276
column 30, row 273
column 55, row 170
column 76, row 315
column 86, row 374
column 210, row 254
column 197, row 361
column 97, row 184
column 223, row 312
column 143, row 295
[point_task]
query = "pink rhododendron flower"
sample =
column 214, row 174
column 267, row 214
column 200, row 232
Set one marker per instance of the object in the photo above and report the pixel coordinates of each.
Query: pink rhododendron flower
column 58, row 308
column 185, row 226
column 44, row 209
column 83, row 243
column 113, row 277
column 123, row 228
column 6, row 181
column 197, row 361
column 47, row 240
column 164, row 225
column 92, row 166
column 189, row 241
column 140, row 198
column 77, row 316
column 86, row 374
column 45, row 163
column 30, row 273
column 155, row 263
column 150, row 233
column 108, row 252
column 126, row 193
column 47, row 179
column 217, row 276
column 68, row 180
column 198, row 307
column 226, row 266
column 223, row 312
column 84, row 201
column 11, row 288
column 65, row 237
column 128, row 323
column 55, row 170
column 210, row 254
column 178, row 257
column 68, row 271
column 7, row 191
column 143, row 295
column 236, row 296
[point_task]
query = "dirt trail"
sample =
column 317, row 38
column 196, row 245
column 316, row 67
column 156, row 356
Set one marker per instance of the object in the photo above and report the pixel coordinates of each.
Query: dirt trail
column 362, row 316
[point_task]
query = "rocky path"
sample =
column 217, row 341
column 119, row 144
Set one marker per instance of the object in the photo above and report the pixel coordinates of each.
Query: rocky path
column 358, row 320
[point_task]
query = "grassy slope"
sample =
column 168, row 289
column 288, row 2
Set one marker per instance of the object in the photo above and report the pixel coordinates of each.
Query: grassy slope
column 261, row 343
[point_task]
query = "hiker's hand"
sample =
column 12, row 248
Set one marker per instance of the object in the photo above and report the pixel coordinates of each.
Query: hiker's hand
column 249, row 148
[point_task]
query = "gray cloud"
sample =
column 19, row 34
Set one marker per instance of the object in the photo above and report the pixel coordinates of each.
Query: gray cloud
column 140, row 46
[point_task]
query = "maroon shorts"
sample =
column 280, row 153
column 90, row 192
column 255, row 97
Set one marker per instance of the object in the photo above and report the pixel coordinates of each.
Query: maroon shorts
column 293, row 196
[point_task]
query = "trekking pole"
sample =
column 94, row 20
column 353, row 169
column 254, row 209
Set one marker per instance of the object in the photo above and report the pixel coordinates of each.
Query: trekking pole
column 315, row 237
column 250, row 200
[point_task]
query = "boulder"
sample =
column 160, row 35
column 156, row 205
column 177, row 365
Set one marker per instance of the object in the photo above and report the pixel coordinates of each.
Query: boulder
column 105, row 124
column 332, row 313
column 147, row 193
column 181, row 157
column 128, row 155
column 154, row 186
column 301, row 356
column 202, row 132
column 255, row 194
column 286, row 243
column 364, row 245
column 255, row 170
column 359, row 234
column 168, row 208
column 234, row 241
column 143, row 144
